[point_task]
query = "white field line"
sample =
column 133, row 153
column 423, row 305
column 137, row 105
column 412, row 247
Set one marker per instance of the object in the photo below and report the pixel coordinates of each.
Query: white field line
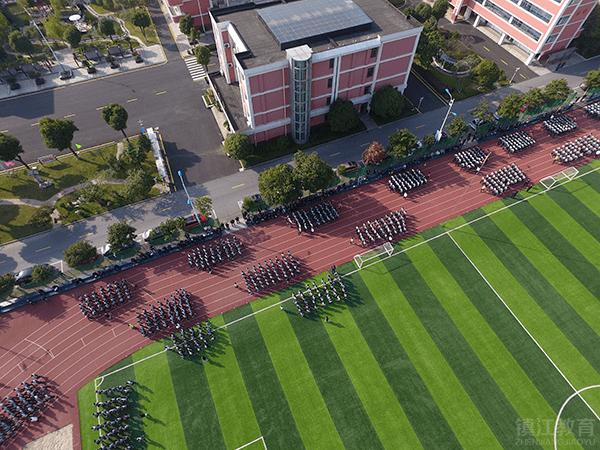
column 523, row 326
column 384, row 258
column 563, row 407
column 250, row 443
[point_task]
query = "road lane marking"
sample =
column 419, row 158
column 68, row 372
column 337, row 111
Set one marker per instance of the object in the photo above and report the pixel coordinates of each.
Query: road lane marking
column 161, row 93
column 504, row 62
column 99, row 108
column 69, row 115
column 131, row 100
column 34, row 124
column 5, row 131
column 427, row 86
column 486, row 48
column 41, row 249
column 335, row 154
column 166, row 209
column 239, row 185
column 365, row 144
column 86, row 234
column 421, row 126
column 523, row 75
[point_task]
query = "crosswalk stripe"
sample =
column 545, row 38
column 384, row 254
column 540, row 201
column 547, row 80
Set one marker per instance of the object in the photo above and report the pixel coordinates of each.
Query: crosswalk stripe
column 196, row 70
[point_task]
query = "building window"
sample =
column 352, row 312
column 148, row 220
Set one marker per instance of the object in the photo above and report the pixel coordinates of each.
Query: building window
column 551, row 38
column 331, row 63
column 300, row 80
column 367, row 90
column 330, row 83
column 573, row 2
column 328, row 101
column 531, row 32
column 370, row 72
column 536, row 11
column 500, row 12
column 562, row 20
column 373, row 53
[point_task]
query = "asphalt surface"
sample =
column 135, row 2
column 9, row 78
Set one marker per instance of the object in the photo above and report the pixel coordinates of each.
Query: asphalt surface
column 161, row 96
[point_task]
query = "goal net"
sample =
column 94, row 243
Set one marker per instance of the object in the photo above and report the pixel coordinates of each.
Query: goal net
column 565, row 175
column 361, row 259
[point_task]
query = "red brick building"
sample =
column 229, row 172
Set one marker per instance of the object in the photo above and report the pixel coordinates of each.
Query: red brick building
column 290, row 60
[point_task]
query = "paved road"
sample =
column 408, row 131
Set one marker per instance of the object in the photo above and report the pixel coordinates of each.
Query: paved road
column 163, row 96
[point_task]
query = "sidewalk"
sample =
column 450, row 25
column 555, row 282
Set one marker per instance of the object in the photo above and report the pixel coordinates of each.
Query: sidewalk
column 152, row 55
column 182, row 41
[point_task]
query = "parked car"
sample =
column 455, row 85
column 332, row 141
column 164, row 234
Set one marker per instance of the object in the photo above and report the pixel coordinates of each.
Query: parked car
column 24, row 276
column 351, row 165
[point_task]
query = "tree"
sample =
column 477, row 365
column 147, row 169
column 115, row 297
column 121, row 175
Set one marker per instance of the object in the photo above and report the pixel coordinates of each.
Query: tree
column 78, row 253
column 428, row 140
column 458, row 126
column 430, row 42
column 387, row 102
column 482, row 112
column 343, row 116
column 511, row 105
column 72, row 35
column 186, row 24
column 10, row 149
column 374, row 154
column 140, row 18
column 279, row 185
column 7, row 283
column 116, row 116
column 202, row 55
column 312, row 172
column 120, row 236
column 41, row 273
column 534, row 98
column 180, row 222
column 592, row 79
column 4, row 28
column 341, row 169
column 587, row 42
column 93, row 192
column 439, row 8
column 486, row 73
column 138, row 185
column 194, row 35
column 422, row 12
column 58, row 133
column 203, row 205
column 238, row 146
column 20, row 43
column 400, row 143
column 42, row 218
column 138, row 153
column 54, row 27
column 557, row 91
column 168, row 227
column 106, row 27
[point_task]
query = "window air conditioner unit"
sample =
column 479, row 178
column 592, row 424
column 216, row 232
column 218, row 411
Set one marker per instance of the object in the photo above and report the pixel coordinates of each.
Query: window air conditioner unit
column 229, row 64
column 226, row 45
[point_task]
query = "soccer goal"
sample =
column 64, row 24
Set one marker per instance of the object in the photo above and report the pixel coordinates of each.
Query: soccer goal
column 369, row 255
column 567, row 174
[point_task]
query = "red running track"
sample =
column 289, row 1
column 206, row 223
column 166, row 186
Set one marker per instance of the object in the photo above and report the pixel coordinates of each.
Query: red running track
column 55, row 340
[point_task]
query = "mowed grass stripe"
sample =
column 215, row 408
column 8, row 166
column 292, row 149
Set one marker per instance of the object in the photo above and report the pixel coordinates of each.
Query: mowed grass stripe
column 485, row 394
column 163, row 426
column 420, row 408
column 270, row 406
column 310, row 412
column 194, row 400
column 582, row 212
column 572, row 364
column 554, row 305
column 546, row 379
column 455, row 404
column 574, row 297
column 336, row 388
column 385, row 413
column 234, row 410
column 507, row 374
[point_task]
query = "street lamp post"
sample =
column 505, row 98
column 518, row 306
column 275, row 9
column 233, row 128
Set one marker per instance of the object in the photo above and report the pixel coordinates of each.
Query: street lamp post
column 438, row 134
column 33, row 22
column 514, row 75
column 190, row 202
column 420, row 101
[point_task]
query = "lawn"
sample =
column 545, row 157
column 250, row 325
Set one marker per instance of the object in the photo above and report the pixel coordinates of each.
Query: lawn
column 472, row 335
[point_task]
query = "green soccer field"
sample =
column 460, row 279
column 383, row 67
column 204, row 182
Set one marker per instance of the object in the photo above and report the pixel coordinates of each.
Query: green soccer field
column 472, row 335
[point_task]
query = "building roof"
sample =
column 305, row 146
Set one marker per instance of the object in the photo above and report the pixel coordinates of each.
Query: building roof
column 265, row 49
column 300, row 22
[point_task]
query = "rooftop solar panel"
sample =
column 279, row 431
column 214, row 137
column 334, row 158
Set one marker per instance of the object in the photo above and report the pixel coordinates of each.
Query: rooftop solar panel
column 302, row 20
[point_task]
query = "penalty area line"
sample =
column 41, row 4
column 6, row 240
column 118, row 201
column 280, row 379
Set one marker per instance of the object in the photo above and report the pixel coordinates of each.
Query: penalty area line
column 523, row 326
column 252, row 442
